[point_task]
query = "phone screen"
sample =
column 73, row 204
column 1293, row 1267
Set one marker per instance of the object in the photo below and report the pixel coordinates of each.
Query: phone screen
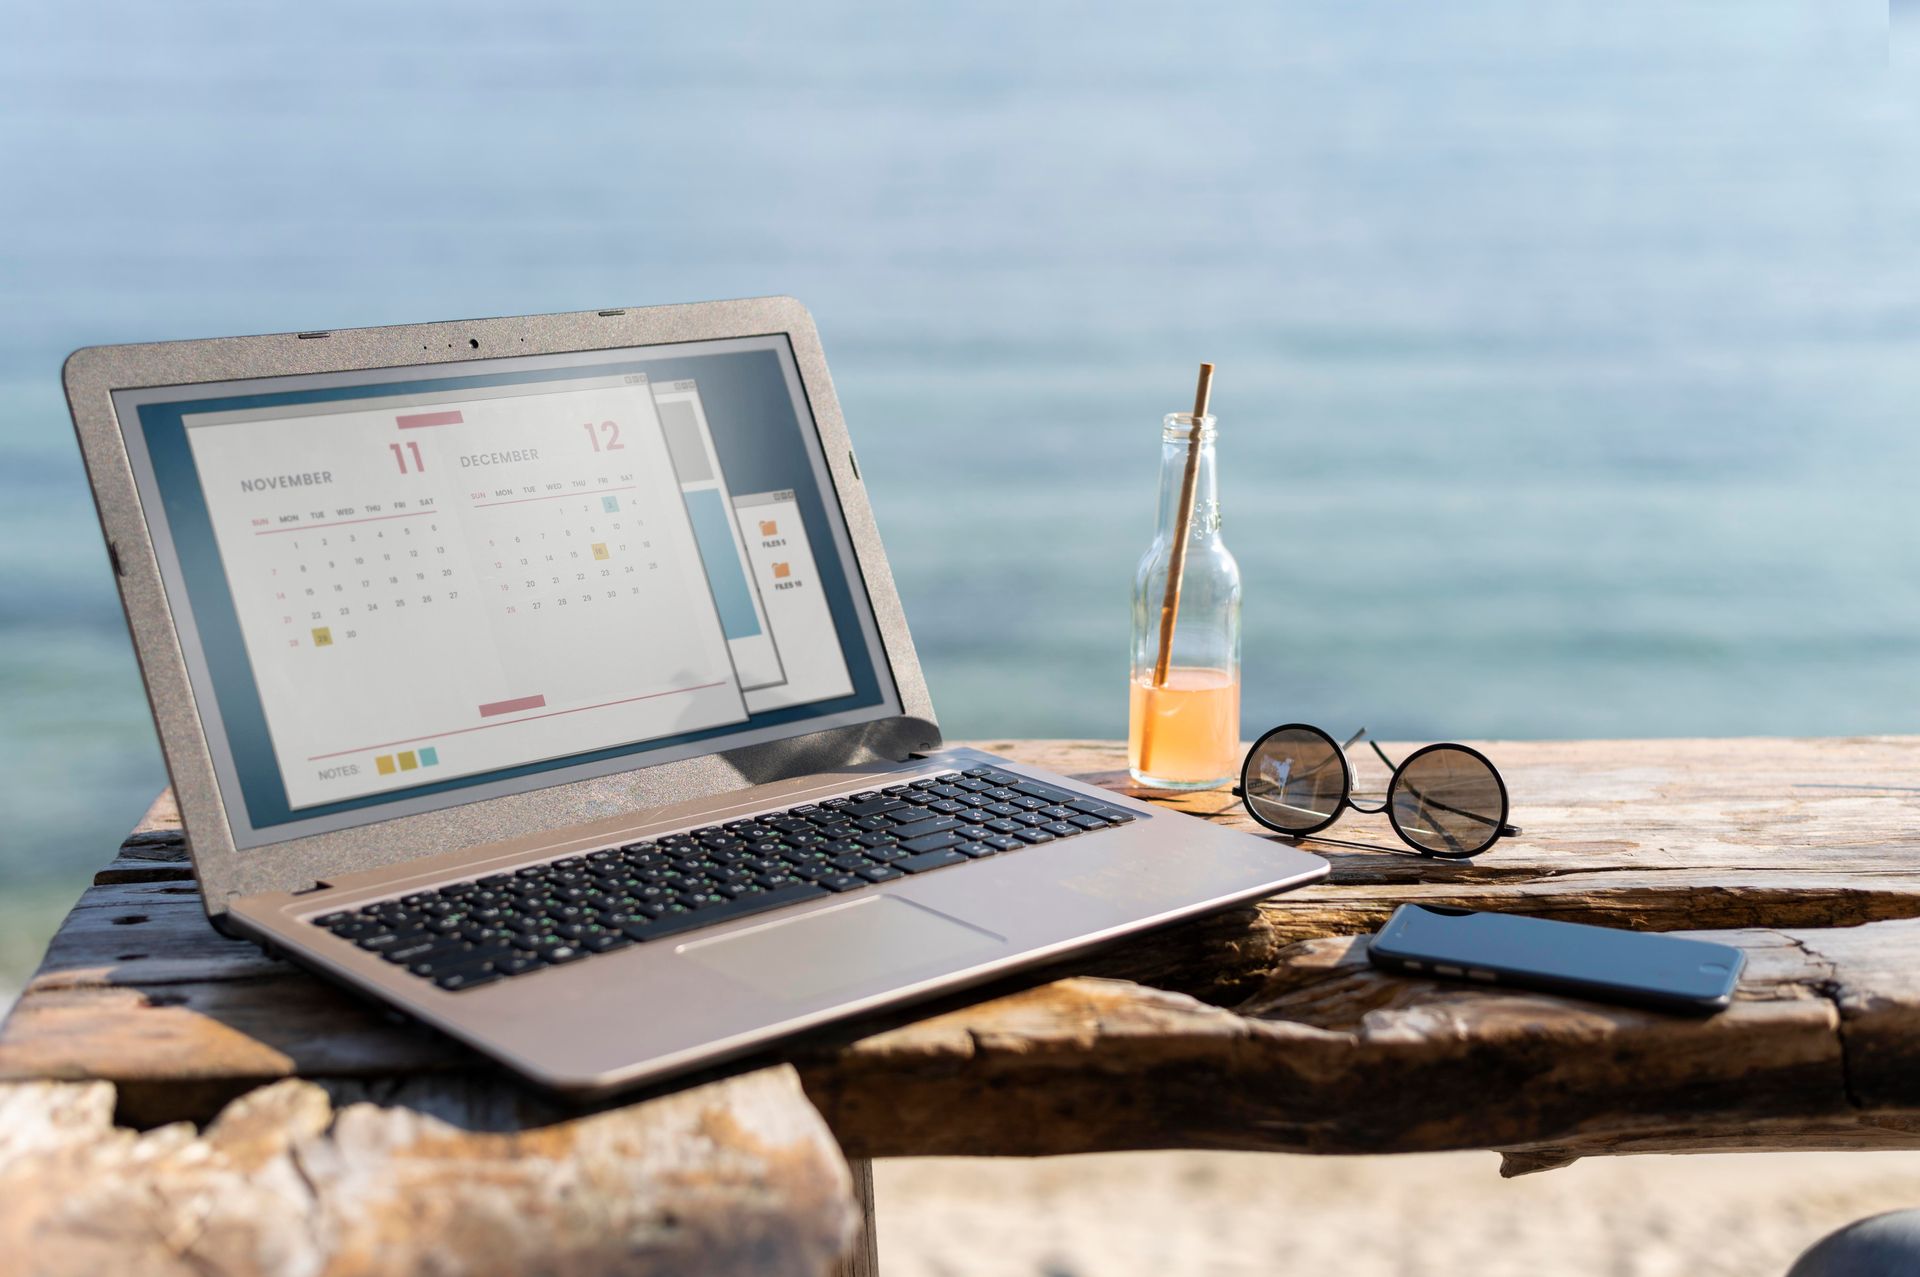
column 1602, row 961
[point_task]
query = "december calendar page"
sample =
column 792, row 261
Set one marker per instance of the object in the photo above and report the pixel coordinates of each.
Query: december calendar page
column 404, row 589
column 464, row 584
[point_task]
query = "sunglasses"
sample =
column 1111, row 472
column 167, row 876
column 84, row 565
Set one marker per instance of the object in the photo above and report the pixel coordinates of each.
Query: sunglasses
column 1445, row 800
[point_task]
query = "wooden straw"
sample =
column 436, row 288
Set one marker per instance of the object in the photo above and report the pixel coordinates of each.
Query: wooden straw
column 1177, row 561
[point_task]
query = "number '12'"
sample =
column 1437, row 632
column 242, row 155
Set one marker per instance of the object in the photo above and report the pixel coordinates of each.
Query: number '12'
column 613, row 443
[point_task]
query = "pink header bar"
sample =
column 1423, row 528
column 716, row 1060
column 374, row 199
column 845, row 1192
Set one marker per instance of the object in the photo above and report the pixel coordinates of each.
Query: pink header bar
column 415, row 421
column 513, row 706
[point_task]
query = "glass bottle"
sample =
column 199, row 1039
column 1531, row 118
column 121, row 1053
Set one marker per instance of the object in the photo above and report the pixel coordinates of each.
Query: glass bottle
column 1184, row 729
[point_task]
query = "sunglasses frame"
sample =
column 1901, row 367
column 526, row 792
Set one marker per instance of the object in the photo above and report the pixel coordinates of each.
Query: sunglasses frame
column 1500, row 828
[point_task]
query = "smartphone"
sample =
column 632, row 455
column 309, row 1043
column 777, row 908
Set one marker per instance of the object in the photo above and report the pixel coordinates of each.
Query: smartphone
column 1602, row 963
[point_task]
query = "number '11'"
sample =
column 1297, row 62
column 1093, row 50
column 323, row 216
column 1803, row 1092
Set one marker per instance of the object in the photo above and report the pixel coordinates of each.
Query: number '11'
column 419, row 462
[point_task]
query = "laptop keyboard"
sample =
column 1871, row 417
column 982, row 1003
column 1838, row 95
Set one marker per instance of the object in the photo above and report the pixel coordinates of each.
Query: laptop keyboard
column 562, row 911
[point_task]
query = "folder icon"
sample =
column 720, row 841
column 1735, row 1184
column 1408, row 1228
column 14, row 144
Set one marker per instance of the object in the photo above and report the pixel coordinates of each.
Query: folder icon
column 769, row 528
column 782, row 571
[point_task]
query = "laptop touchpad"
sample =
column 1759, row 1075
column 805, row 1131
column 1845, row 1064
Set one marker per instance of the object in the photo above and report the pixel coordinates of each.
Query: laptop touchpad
column 876, row 940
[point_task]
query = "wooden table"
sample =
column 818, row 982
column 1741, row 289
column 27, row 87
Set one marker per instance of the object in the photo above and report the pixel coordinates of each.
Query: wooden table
column 343, row 1141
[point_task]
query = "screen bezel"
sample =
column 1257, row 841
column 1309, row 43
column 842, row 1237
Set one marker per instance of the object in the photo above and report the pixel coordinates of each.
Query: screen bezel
column 95, row 374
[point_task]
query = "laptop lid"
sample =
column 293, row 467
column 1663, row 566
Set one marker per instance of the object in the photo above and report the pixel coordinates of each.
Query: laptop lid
column 397, row 591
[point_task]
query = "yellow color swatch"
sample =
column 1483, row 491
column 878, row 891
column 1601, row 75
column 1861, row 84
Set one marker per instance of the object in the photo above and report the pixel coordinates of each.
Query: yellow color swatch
column 599, row 549
column 322, row 636
column 408, row 762
column 384, row 764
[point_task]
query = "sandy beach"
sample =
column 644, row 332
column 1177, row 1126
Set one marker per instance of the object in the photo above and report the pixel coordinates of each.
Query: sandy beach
column 1438, row 1215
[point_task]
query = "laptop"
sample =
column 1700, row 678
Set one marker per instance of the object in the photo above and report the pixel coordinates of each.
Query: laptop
column 544, row 679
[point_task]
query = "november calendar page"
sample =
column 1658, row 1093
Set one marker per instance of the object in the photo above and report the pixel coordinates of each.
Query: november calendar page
column 492, row 580
column 406, row 590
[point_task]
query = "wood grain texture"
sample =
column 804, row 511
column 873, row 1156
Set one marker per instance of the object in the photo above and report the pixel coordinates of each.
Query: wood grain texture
column 1256, row 1028
column 297, row 1180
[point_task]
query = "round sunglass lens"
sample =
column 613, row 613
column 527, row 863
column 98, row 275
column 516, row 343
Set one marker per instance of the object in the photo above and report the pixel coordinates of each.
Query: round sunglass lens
column 1448, row 801
column 1295, row 780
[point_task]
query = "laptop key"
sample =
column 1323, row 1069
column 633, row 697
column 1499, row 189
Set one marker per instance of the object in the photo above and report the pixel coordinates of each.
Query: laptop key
column 519, row 964
column 976, row 850
column 415, row 950
column 907, row 833
column 875, row 806
column 1032, row 790
column 1088, row 822
column 930, row 860
column 879, row 873
column 1061, row 829
column 459, row 960
column 933, row 842
column 674, row 924
column 466, row 978
column 1035, row 836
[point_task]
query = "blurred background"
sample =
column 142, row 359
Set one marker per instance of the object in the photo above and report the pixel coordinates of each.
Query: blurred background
column 1566, row 349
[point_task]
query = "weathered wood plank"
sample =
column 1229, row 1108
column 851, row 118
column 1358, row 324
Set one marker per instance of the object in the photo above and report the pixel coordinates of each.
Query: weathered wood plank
column 1335, row 1057
column 156, row 850
column 295, row 1179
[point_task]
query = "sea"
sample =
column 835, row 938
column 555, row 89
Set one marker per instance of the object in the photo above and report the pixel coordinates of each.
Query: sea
column 1568, row 354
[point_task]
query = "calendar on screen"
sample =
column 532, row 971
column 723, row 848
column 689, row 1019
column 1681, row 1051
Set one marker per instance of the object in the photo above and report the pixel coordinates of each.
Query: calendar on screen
column 405, row 588
column 430, row 587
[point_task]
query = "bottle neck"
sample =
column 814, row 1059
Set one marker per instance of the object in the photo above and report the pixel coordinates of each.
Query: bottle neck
column 1204, row 522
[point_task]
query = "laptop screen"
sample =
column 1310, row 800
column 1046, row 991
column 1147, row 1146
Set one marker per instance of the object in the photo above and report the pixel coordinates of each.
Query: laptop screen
column 409, row 588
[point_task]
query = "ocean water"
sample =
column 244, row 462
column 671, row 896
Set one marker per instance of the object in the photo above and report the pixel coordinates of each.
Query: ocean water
column 1568, row 354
